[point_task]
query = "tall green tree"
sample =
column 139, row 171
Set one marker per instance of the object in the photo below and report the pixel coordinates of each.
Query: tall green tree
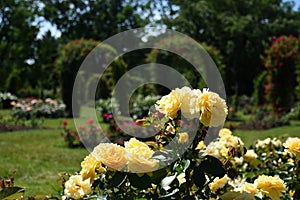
column 18, row 32
column 44, row 72
column 93, row 19
column 238, row 29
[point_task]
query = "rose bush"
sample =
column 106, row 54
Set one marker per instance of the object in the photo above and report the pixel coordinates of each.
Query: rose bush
column 223, row 169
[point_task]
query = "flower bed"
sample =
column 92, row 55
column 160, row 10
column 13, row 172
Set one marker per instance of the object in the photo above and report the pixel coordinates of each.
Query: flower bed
column 223, row 169
column 38, row 108
column 174, row 163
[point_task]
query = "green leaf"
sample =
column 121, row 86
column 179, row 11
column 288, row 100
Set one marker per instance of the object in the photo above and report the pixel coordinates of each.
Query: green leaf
column 142, row 182
column 185, row 164
column 171, row 193
column 199, row 177
column 118, row 179
column 11, row 193
column 237, row 196
column 166, row 182
column 158, row 175
column 213, row 166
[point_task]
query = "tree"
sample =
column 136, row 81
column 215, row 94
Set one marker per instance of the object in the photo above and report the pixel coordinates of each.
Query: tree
column 92, row 19
column 17, row 38
column 43, row 70
column 238, row 29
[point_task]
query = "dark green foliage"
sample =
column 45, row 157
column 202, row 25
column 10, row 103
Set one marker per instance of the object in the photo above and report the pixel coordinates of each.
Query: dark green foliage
column 96, row 19
column 67, row 65
column 259, row 92
column 183, row 66
column 17, row 38
column 237, row 28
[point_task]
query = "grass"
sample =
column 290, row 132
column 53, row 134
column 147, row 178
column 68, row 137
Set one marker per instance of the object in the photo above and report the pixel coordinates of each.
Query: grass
column 38, row 156
column 250, row 136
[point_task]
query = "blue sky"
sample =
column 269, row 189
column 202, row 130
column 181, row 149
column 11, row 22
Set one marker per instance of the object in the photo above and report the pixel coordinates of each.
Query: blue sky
column 297, row 3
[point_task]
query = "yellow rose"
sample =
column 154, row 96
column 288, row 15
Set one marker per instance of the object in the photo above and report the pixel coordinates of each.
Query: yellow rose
column 236, row 161
column 189, row 107
column 169, row 104
column 90, row 165
column 213, row 109
column 270, row 186
column 200, row 145
column 111, row 155
column 293, row 146
column 140, row 164
column 77, row 188
column 231, row 141
column 181, row 178
column 218, row 183
column 183, row 138
column 250, row 157
column 224, row 132
column 213, row 149
column 139, row 156
column 249, row 187
column 250, row 154
column 138, row 147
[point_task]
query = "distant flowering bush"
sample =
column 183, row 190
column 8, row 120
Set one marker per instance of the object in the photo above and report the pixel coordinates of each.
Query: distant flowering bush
column 282, row 68
column 139, row 107
column 88, row 133
column 37, row 108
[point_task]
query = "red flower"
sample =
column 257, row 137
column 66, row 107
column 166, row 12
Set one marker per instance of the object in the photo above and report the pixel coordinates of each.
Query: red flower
column 65, row 123
column 280, row 64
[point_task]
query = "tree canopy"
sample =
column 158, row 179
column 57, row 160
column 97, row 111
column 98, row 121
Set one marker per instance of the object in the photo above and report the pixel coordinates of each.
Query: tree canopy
column 238, row 28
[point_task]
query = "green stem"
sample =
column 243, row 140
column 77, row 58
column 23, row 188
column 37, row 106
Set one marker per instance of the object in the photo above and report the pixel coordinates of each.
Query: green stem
column 297, row 191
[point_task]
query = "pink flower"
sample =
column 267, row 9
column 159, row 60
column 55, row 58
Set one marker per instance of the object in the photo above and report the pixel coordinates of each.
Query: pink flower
column 107, row 116
column 90, row 121
column 65, row 123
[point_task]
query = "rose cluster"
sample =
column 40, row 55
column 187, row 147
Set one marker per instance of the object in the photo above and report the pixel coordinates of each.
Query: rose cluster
column 208, row 106
column 135, row 157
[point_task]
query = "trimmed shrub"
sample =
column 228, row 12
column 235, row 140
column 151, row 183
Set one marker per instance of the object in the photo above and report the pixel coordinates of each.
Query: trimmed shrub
column 68, row 63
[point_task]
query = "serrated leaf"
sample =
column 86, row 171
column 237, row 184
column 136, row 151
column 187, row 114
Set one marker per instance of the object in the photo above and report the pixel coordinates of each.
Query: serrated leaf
column 199, row 177
column 11, row 193
column 118, row 179
column 237, row 196
column 213, row 166
column 166, row 182
column 142, row 182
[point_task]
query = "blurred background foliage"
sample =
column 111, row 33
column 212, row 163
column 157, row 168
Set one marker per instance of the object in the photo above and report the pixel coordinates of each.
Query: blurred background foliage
column 37, row 61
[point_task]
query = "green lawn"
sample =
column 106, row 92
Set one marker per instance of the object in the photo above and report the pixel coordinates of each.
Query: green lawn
column 38, row 156
column 249, row 137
